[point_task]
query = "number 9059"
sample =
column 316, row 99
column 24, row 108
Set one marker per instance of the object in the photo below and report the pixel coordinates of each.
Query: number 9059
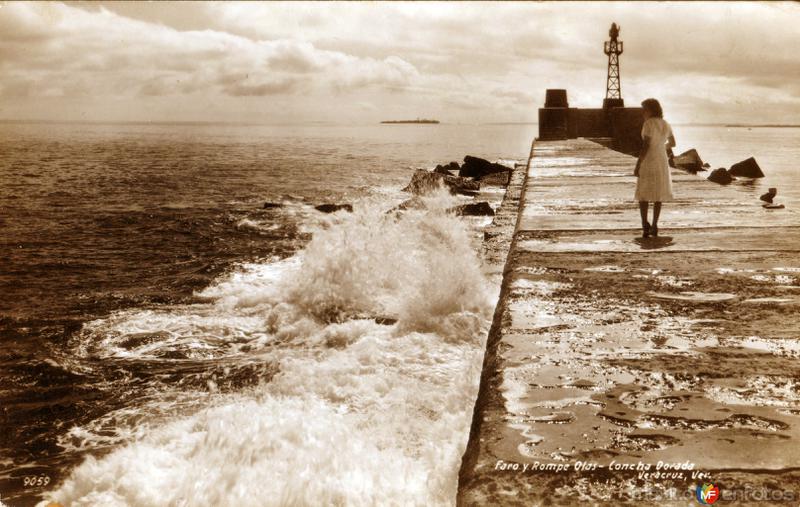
column 31, row 481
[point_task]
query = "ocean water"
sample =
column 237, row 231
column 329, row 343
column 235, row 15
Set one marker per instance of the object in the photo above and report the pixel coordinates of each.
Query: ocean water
column 166, row 340
column 776, row 149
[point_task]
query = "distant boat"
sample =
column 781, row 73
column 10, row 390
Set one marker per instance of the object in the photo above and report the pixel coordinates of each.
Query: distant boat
column 418, row 120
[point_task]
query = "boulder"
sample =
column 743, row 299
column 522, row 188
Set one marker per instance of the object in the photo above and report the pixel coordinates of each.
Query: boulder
column 424, row 182
column 332, row 208
column 720, row 176
column 474, row 209
column 450, row 169
column 496, row 179
column 270, row 205
column 443, row 170
column 689, row 161
column 413, row 203
column 475, row 167
column 770, row 195
column 747, row 169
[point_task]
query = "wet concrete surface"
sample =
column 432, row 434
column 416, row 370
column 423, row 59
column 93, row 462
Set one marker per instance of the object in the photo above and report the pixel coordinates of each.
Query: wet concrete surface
column 622, row 369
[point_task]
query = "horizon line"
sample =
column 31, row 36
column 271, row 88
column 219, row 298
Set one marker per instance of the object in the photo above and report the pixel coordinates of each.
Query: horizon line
column 338, row 123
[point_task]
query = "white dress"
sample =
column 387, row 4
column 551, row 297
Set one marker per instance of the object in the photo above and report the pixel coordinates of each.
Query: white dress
column 655, row 183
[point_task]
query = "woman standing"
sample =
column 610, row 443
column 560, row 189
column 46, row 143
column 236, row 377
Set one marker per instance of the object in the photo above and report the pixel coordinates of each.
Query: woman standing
column 652, row 169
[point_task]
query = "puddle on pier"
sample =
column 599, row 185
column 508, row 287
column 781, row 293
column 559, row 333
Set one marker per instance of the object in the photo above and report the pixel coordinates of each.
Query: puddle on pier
column 609, row 358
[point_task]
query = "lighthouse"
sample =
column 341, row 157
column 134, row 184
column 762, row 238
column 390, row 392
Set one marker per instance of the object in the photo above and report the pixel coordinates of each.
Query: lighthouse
column 613, row 48
column 614, row 125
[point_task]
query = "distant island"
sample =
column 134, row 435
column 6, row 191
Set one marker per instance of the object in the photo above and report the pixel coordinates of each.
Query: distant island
column 411, row 121
column 774, row 126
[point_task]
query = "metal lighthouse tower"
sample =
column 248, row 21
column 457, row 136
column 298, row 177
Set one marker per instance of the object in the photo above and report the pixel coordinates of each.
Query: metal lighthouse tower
column 613, row 48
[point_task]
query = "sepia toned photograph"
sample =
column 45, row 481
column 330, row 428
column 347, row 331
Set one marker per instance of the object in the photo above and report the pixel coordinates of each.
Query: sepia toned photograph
column 283, row 254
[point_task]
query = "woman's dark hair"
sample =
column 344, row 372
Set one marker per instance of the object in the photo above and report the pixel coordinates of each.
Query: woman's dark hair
column 654, row 107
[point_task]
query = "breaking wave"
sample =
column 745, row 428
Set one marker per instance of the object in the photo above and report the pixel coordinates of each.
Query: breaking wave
column 367, row 345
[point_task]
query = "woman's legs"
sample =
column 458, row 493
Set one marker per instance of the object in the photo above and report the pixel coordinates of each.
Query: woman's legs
column 656, row 212
column 643, row 211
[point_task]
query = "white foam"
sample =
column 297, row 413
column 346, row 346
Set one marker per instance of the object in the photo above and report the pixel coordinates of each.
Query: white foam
column 357, row 414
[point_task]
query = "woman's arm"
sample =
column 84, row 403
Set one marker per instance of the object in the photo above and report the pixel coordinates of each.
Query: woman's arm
column 671, row 141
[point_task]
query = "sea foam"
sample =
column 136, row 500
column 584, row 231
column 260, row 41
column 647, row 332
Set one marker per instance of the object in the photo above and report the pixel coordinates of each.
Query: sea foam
column 357, row 413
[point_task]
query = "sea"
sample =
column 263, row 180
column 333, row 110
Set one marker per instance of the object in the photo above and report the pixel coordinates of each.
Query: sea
column 180, row 326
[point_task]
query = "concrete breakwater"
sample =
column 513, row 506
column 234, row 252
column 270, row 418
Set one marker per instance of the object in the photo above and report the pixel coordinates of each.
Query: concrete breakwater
column 619, row 368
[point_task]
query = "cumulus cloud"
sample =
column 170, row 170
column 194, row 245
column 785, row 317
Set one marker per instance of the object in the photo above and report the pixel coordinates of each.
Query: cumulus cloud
column 462, row 61
column 123, row 56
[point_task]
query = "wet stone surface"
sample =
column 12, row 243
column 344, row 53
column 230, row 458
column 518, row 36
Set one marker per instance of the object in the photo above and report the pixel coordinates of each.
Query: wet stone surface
column 615, row 358
column 602, row 365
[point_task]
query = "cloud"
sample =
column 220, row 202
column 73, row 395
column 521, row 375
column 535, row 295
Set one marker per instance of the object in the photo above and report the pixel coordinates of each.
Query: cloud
column 276, row 87
column 123, row 56
column 464, row 61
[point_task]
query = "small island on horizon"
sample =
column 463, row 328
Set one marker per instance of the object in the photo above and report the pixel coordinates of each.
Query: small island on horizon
column 418, row 120
column 765, row 125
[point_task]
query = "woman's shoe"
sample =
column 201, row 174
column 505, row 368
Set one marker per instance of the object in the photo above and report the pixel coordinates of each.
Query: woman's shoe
column 654, row 231
column 646, row 230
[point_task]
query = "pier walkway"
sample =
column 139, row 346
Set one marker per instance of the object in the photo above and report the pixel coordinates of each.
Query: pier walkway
column 613, row 356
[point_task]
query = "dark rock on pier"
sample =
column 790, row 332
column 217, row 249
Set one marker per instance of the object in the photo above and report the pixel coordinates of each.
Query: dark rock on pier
column 770, row 195
column 477, row 168
column 332, row 208
column 424, row 182
column 747, row 169
column 271, row 205
column 474, row 209
column 689, row 161
column 721, row 176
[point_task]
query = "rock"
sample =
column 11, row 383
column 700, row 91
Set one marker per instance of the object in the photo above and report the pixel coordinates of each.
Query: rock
column 496, row 179
column 770, row 195
column 424, row 182
column 270, row 205
column 747, row 169
column 332, row 208
column 475, row 167
column 413, row 203
column 720, row 176
column 385, row 321
column 449, row 169
column 689, row 161
column 774, row 206
column 706, row 165
column 474, row 209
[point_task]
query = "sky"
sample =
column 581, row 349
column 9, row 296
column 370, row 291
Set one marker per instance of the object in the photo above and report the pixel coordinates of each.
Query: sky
column 361, row 62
